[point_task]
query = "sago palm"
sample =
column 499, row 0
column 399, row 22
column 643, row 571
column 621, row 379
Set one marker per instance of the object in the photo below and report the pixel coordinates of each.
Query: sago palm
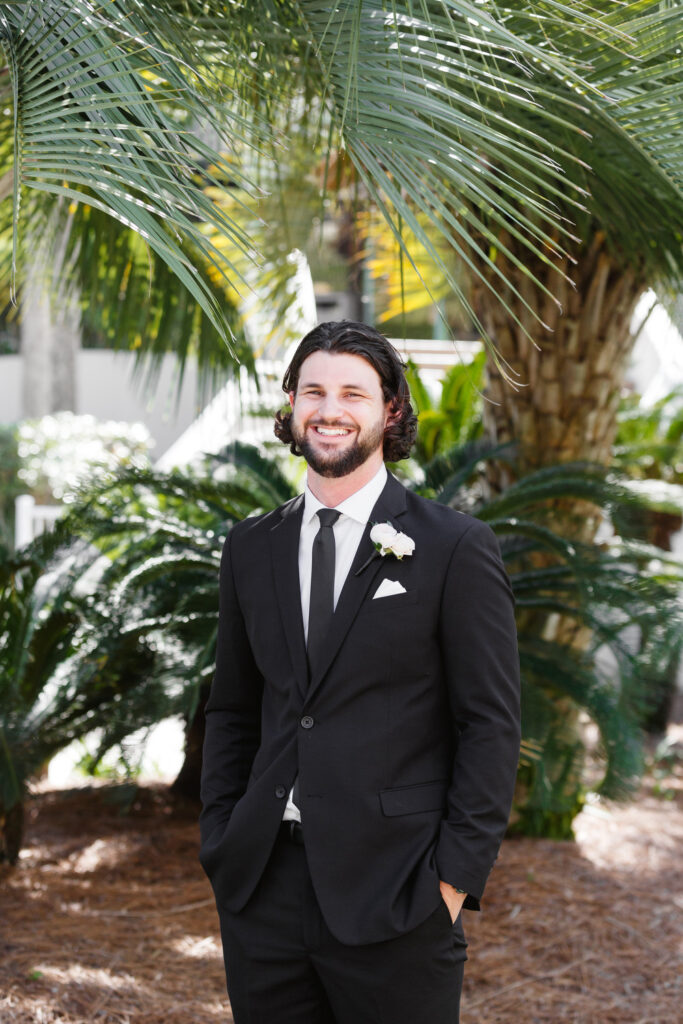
column 163, row 535
column 623, row 596
column 67, row 668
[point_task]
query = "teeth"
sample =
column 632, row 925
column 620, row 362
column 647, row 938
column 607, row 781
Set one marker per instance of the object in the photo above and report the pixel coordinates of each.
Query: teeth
column 331, row 432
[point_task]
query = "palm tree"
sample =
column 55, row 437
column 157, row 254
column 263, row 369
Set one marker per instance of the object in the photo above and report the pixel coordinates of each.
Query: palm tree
column 628, row 239
column 527, row 141
column 463, row 114
column 562, row 327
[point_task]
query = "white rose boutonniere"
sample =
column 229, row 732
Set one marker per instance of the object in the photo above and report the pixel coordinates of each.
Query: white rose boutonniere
column 389, row 541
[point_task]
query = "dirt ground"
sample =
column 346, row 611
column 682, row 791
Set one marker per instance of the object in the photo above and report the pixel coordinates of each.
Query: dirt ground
column 108, row 919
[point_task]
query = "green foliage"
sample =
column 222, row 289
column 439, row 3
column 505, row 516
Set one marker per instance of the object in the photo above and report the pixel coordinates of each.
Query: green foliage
column 120, row 631
column 649, row 441
column 629, row 177
column 132, row 299
column 649, row 447
column 163, row 535
column 38, row 624
column 10, row 487
column 68, row 663
column 97, row 110
column 456, row 418
column 615, row 592
column 464, row 125
column 550, row 790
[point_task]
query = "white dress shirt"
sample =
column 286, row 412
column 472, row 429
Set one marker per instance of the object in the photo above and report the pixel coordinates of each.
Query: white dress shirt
column 348, row 530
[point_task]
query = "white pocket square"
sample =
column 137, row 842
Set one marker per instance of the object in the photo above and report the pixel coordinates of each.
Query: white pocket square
column 387, row 588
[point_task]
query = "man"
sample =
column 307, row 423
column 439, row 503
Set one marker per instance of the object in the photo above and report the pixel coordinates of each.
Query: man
column 362, row 730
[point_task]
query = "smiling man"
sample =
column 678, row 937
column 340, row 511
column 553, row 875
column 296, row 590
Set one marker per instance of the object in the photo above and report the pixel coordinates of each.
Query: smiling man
column 339, row 418
column 362, row 731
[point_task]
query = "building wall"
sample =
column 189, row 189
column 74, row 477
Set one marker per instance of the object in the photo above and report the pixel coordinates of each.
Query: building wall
column 108, row 388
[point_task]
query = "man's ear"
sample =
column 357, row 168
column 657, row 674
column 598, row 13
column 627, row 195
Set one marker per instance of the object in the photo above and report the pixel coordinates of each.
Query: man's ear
column 291, row 398
column 393, row 413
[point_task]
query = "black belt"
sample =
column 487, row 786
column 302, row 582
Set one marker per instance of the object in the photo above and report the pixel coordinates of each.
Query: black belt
column 293, row 832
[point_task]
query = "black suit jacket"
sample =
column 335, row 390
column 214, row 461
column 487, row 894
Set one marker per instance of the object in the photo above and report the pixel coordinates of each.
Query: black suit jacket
column 405, row 742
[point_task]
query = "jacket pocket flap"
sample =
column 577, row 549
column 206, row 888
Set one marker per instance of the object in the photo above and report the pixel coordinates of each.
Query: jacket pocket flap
column 426, row 796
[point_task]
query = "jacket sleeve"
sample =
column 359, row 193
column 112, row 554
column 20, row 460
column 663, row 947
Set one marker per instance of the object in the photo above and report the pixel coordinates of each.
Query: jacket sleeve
column 233, row 711
column 481, row 664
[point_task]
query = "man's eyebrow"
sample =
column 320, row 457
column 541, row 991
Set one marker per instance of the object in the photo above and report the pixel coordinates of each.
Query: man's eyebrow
column 349, row 387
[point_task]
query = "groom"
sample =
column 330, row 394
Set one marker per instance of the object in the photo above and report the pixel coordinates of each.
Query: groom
column 362, row 731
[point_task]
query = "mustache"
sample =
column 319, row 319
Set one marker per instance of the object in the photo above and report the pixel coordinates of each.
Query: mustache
column 331, row 423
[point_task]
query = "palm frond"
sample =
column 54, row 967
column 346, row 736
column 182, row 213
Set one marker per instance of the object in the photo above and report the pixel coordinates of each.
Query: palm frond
column 447, row 474
column 468, row 126
column 104, row 115
column 264, row 479
column 561, row 671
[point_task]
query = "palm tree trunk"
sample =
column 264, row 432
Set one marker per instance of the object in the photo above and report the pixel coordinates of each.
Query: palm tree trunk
column 50, row 336
column 570, row 375
column 11, row 833
column 188, row 779
column 564, row 409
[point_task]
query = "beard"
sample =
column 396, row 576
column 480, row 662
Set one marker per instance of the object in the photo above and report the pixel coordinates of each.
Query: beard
column 338, row 463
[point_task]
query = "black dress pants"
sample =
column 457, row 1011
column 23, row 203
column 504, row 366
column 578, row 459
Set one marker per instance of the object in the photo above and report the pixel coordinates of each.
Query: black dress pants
column 283, row 966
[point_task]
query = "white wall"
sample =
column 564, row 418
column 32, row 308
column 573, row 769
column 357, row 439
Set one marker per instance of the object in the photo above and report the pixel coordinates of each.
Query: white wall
column 107, row 388
column 10, row 389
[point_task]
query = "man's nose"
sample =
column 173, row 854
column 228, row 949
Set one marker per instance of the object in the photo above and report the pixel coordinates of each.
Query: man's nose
column 330, row 407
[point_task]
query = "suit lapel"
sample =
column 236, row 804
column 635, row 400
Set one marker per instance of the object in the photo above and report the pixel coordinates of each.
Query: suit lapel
column 389, row 506
column 284, row 539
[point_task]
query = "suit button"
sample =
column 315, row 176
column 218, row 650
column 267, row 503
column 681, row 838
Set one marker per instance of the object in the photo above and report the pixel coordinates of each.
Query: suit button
column 307, row 722
column 280, row 792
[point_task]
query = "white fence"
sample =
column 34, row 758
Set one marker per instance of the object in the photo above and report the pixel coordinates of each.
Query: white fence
column 30, row 520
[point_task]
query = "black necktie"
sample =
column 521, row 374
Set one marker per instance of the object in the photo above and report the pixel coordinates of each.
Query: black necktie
column 321, row 606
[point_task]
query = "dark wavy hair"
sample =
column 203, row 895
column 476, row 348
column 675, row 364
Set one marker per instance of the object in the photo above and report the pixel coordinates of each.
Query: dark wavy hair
column 358, row 340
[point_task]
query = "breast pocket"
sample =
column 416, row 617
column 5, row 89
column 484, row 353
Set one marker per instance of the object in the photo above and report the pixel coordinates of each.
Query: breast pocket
column 389, row 633
column 393, row 601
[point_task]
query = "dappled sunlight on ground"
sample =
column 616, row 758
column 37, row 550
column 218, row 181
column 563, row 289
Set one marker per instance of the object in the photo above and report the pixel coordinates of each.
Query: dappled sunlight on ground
column 631, row 839
column 83, row 976
column 111, row 917
column 109, row 920
column 199, row 949
column 587, row 932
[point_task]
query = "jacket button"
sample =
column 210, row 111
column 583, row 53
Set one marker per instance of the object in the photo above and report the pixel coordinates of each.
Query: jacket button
column 307, row 722
column 280, row 792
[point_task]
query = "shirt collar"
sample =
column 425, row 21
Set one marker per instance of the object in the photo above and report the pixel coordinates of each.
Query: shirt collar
column 357, row 506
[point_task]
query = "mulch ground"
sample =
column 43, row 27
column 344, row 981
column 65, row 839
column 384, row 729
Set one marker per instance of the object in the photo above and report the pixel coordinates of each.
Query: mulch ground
column 107, row 918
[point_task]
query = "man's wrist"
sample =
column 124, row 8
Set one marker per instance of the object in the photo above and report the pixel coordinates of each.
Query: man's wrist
column 460, row 892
